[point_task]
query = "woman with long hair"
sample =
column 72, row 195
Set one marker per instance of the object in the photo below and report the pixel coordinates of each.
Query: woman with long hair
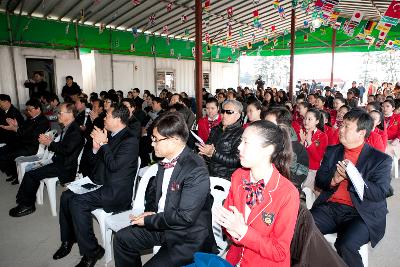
column 315, row 141
column 254, row 109
column 269, row 100
column 259, row 214
column 298, row 121
column 379, row 125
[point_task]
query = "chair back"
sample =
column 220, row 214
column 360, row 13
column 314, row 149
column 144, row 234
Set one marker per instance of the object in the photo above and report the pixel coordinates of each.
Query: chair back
column 138, row 203
column 219, row 191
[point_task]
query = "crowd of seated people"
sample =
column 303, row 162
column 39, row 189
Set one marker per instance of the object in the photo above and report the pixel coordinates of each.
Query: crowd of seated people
column 269, row 147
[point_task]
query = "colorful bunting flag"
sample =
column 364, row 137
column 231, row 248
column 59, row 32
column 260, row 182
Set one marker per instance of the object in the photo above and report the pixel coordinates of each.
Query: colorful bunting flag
column 369, row 26
column 357, row 16
column 165, row 30
column 184, row 18
column 229, row 11
column 134, row 32
column 169, row 6
column 132, row 49
column 207, row 5
column 393, row 10
column 152, row 19
column 249, row 45
column 136, row 2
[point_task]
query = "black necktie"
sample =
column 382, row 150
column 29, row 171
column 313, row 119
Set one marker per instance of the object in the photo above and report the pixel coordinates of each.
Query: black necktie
column 62, row 134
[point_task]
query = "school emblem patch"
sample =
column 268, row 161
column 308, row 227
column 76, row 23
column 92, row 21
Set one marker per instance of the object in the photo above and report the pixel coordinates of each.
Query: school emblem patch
column 268, row 218
column 317, row 142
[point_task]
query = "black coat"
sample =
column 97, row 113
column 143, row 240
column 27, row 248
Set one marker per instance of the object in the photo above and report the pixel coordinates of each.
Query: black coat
column 68, row 91
column 375, row 168
column 36, row 89
column 115, row 168
column 186, row 220
column 66, row 152
column 225, row 160
column 12, row 113
column 28, row 133
column 134, row 126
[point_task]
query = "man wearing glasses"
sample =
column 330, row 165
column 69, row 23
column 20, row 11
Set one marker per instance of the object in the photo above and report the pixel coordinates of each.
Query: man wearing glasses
column 178, row 212
column 26, row 138
column 221, row 150
column 64, row 162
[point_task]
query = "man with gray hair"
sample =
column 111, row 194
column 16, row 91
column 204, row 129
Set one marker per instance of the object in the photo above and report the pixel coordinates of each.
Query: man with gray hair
column 221, row 150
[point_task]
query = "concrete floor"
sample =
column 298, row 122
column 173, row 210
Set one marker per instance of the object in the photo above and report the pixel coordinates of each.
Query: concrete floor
column 30, row 241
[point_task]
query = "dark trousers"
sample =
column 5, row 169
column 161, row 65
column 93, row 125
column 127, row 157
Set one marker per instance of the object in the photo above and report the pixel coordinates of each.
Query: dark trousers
column 351, row 230
column 128, row 243
column 76, row 223
column 27, row 191
column 7, row 157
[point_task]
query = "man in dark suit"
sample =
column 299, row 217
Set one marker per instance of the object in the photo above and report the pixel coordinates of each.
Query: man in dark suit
column 26, row 138
column 339, row 208
column 179, row 211
column 64, row 162
column 8, row 111
column 115, row 164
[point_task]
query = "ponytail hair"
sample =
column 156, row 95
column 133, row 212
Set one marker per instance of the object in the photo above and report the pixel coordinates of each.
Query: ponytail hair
column 279, row 137
column 319, row 117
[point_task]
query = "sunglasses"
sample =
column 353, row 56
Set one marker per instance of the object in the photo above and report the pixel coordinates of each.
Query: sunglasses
column 227, row 111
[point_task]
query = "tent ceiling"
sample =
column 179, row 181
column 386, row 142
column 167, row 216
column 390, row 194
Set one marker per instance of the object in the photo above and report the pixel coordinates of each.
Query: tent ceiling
column 125, row 14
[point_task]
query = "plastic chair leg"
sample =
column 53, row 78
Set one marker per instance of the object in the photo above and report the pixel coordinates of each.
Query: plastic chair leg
column 108, row 246
column 51, row 191
column 39, row 194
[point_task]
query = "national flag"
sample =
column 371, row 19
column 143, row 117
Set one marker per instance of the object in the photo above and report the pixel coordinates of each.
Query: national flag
column 389, row 44
column 229, row 59
column 208, row 49
column 224, row 42
column 273, row 28
column 207, row 4
column 136, row 2
column 357, row 16
column 379, row 43
column 184, row 18
column 255, row 13
column 281, row 12
column 169, row 6
column 382, row 35
column 305, row 37
column 369, row 26
column 165, row 29
column 393, row 10
column 229, row 11
column 337, row 25
column 249, row 45
column 134, row 32
column 152, row 19
column 207, row 37
column 383, row 26
column 266, row 40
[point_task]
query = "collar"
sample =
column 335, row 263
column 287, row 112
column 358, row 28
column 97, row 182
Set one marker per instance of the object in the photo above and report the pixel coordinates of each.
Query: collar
column 388, row 117
column 213, row 119
column 116, row 132
column 165, row 160
column 354, row 149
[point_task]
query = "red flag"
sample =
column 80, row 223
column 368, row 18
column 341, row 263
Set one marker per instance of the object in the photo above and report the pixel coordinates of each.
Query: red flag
column 393, row 10
column 255, row 13
column 207, row 4
column 230, row 12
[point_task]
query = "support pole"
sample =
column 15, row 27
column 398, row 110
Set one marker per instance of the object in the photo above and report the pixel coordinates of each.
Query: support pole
column 78, row 56
column 111, row 59
column 155, row 66
column 292, row 44
column 333, row 54
column 198, row 61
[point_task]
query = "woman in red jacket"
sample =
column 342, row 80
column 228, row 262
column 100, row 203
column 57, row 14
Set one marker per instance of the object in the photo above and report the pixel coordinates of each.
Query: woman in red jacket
column 259, row 214
column 379, row 126
column 298, row 122
column 212, row 119
column 333, row 137
column 315, row 141
column 392, row 123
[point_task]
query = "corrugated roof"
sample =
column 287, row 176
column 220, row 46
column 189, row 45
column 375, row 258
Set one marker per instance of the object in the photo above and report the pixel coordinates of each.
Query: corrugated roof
column 128, row 14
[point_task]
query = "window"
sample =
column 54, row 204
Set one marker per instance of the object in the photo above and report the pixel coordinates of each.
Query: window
column 206, row 80
column 166, row 80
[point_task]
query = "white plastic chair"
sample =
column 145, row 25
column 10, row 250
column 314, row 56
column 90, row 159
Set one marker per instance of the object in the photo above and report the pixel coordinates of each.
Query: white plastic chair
column 116, row 222
column 101, row 215
column 331, row 238
column 396, row 166
column 310, row 197
column 219, row 190
column 2, row 144
column 51, row 184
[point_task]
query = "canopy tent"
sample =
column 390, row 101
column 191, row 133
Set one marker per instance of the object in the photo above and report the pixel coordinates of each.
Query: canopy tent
column 166, row 28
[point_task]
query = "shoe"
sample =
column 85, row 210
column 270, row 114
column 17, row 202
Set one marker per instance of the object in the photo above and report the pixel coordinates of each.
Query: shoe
column 21, row 210
column 90, row 261
column 64, row 250
column 15, row 181
column 10, row 179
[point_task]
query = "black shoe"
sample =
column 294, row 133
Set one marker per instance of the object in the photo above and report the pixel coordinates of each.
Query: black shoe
column 10, row 179
column 90, row 261
column 15, row 181
column 64, row 250
column 21, row 210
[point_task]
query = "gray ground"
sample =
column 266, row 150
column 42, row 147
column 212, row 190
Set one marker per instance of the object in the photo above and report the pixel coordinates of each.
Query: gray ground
column 31, row 241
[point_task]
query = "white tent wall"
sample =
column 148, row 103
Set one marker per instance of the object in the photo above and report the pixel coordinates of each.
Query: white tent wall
column 93, row 71
column 64, row 64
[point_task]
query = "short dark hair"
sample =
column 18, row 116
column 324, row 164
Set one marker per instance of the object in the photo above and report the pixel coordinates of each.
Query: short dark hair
column 212, row 100
column 376, row 105
column 103, row 93
column 33, row 102
column 391, row 102
column 121, row 112
column 381, row 125
column 131, row 102
column 172, row 124
column 137, row 90
column 364, row 120
column 113, row 97
column 70, row 108
column 39, row 72
column 346, row 107
column 69, row 77
column 281, row 114
column 180, row 97
column 53, row 97
column 327, row 116
column 101, row 103
column 83, row 100
column 341, row 99
column 4, row 97
column 157, row 99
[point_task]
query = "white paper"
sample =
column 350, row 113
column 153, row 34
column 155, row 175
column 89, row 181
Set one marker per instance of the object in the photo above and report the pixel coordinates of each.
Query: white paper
column 198, row 138
column 76, row 186
column 356, row 179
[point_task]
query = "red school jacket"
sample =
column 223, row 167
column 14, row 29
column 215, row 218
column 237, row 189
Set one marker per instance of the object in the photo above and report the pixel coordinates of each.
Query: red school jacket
column 316, row 151
column 204, row 127
column 333, row 135
column 393, row 126
column 383, row 134
column 375, row 140
column 271, row 222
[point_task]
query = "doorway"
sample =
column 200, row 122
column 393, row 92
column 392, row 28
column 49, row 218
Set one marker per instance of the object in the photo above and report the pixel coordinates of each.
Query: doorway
column 46, row 67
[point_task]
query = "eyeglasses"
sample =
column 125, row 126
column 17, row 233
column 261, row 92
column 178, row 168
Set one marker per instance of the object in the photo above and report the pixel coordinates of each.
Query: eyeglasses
column 60, row 112
column 155, row 140
column 227, row 111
